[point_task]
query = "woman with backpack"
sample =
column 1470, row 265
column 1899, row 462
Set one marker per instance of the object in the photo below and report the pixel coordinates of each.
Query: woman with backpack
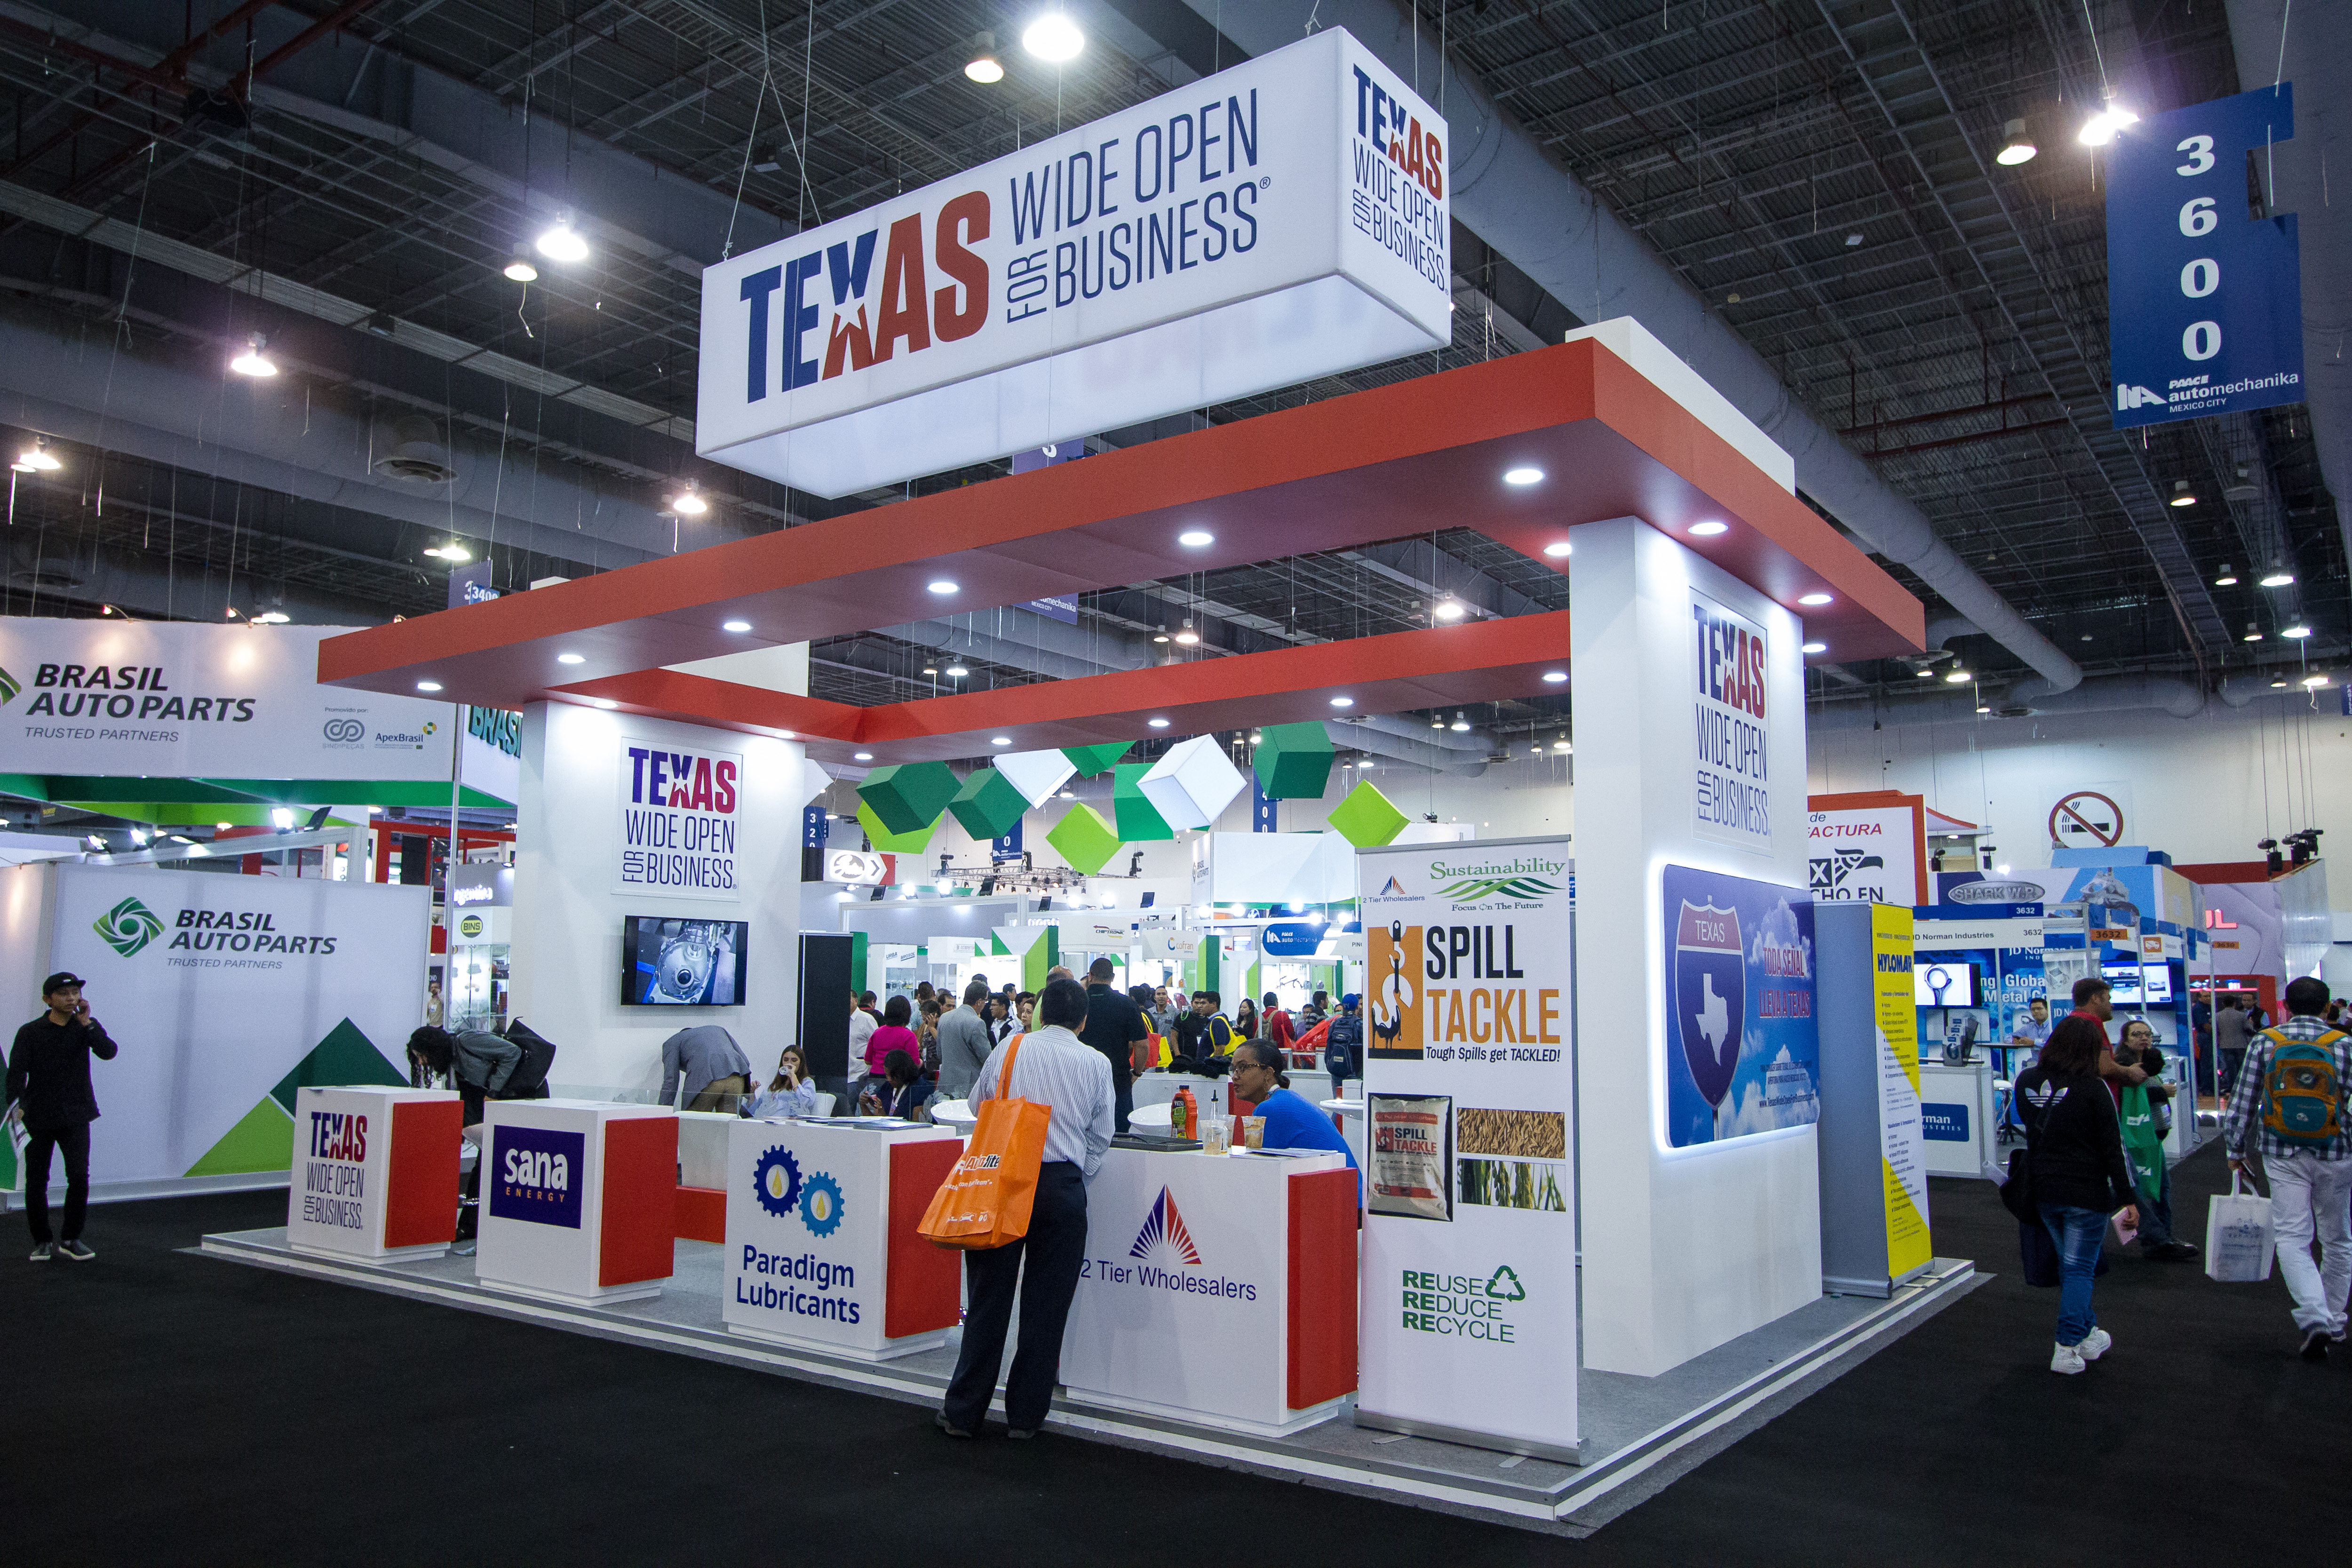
column 2076, row 1170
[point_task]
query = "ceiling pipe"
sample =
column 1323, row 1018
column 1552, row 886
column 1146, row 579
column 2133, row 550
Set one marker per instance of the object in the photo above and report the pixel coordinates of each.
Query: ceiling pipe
column 1507, row 190
column 2319, row 58
column 1944, row 628
column 1420, row 753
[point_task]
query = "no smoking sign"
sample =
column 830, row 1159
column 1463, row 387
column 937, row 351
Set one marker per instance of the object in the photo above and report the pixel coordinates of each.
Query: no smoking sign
column 2086, row 817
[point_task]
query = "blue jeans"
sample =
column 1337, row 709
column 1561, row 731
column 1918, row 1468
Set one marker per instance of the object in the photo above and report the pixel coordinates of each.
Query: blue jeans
column 2078, row 1235
column 2156, row 1218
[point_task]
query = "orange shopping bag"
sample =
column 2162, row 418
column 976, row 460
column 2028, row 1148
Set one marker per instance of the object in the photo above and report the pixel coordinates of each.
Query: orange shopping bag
column 986, row 1200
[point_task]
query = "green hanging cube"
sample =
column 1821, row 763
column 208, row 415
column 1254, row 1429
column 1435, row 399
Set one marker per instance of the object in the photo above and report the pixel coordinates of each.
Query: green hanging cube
column 908, row 796
column 1366, row 819
column 1083, row 839
column 988, row 804
column 1138, row 820
column 1093, row 762
column 886, row 842
column 1294, row 760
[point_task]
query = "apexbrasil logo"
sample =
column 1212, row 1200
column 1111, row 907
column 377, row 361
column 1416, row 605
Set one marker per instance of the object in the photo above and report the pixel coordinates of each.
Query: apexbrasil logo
column 1520, row 879
column 128, row 927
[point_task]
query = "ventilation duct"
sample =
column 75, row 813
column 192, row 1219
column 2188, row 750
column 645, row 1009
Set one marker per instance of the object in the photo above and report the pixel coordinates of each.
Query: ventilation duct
column 409, row 449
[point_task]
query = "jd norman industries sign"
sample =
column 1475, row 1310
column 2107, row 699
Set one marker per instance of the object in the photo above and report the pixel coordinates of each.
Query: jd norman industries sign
column 1279, row 221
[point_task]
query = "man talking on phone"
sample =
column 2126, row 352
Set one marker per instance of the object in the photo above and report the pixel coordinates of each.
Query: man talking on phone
column 48, row 1094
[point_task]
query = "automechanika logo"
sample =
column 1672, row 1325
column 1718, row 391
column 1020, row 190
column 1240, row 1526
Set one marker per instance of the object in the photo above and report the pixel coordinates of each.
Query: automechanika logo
column 1463, row 1305
column 1522, row 877
column 128, row 927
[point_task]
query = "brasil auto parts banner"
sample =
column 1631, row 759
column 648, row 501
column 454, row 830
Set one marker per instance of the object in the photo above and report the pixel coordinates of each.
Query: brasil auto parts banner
column 1468, row 1302
column 227, row 994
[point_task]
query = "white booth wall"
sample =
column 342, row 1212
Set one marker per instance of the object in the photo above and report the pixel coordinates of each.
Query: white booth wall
column 566, row 956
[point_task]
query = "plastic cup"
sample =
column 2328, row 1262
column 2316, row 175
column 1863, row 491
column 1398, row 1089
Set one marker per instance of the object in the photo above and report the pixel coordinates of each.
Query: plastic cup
column 1253, row 1131
column 1216, row 1136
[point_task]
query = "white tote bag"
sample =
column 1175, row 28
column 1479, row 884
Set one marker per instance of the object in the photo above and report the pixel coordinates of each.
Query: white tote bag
column 2238, row 1244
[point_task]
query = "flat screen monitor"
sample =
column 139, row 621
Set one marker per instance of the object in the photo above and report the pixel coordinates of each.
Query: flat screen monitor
column 2156, row 983
column 2122, row 982
column 672, row 962
column 1944, row 985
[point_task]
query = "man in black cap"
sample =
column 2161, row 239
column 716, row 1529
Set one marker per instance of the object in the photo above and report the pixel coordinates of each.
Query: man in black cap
column 49, row 1092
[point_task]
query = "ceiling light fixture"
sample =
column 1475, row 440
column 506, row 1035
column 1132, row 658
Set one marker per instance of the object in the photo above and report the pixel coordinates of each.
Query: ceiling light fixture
column 1161, row 636
column 942, row 586
column 428, row 686
column 562, row 243
column 2101, row 127
column 570, row 658
column 1926, row 673
column 1554, row 677
column 37, row 458
column 1812, row 600
column 1708, row 530
column 2314, row 681
column 1437, row 720
column 984, row 68
column 1523, row 475
column 269, row 618
column 1816, row 647
column 2181, row 494
column 1984, row 708
column 606, row 703
column 520, row 268
column 2227, row 579
column 931, row 669
column 1343, row 702
column 1054, row 38
column 2253, row 633
column 1157, row 724
column 2278, row 578
column 862, row 756
column 1196, row 538
column 1560, row 549
column 734, row 626
column 1449, row 608
column 1000, row 740
column 1461, row 725
column 1958, row 677
column 688, row 502
column 1187, row 636
column 453, row 553
column 253, row 362
column 956, row 672
column 1562, row 745
column 2016, row 146
column 2296, row 632
column 1852, row 240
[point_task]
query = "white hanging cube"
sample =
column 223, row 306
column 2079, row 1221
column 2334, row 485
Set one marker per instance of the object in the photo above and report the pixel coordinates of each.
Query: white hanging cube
column 814, row 780
column 1192, row 784
column 1036, row 774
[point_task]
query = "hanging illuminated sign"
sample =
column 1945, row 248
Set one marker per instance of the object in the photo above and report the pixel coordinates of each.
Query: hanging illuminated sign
column 1279, row 221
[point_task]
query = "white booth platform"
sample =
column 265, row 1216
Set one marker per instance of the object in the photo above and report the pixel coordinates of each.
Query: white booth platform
column 375, row 1172
column 1955, row 1117
column 579, row 1199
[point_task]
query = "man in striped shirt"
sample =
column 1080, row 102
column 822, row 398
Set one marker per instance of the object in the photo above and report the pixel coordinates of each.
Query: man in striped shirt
column 2295, row 1111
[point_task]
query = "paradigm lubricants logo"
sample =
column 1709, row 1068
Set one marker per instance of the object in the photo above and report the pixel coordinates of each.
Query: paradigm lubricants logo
column 9, row 687
column 1463, row 1305
column 127, row 926
column 1522, row 877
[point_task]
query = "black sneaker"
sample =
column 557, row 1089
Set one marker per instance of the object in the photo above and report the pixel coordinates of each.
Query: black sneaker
column 939, row 1419
column 2314, row 1345
column 76, row 1252
column 2174, row 1252
column 43, row 1252
column 1022, row 1433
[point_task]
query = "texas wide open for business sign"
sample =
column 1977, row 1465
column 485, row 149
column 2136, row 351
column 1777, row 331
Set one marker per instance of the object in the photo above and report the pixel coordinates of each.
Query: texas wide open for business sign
column 1276, row 222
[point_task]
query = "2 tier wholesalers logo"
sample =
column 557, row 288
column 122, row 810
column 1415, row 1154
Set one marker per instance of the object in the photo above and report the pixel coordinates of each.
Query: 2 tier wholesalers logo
column 1710, row 995
column 535, row 1173
column 1165, row 1257
column 1164, row 1233
column 128, row 927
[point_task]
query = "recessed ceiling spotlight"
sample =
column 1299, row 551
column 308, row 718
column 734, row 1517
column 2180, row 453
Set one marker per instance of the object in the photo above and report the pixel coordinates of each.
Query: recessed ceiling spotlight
column 606, row 703
column 1000, row 740
column 2181, row 494
column 562, row 243
column 734, row 626
column 1054, row 38
column 862, row 756
column 1816, row 647
column 956, row 672
column 570, row 658
column 1554, row 677
column 1709, row 528
column 1559, row 549
column 1523, row 475
column 254, row 360
column 520, row 268
column 1343, row 702
column 1812, row 599
column 984, row 67
column 1157, row 724
column 1196, row 538
column 2016, row 146
column 942, row 586
column 428, row 686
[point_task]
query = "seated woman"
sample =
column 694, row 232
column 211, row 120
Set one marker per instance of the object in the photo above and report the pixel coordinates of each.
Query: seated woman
column 1290, row 1121
column 903, row 1092
column 791, row 1092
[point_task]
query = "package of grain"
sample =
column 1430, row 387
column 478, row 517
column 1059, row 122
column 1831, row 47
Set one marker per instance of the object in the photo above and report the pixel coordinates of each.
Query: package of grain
column 1412, row 1146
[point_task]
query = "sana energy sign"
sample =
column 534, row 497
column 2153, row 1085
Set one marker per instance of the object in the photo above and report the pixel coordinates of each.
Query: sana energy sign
column 1278, row 221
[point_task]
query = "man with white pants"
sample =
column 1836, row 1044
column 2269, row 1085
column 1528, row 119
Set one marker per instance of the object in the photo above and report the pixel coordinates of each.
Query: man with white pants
column 2292, row 1098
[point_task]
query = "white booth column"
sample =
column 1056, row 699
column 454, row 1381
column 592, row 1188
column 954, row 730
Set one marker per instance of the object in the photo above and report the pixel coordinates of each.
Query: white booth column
column 586, row 810
column 1683, row 1248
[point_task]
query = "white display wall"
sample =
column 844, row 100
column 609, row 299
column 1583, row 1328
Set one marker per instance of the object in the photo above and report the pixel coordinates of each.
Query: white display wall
column 570, row 896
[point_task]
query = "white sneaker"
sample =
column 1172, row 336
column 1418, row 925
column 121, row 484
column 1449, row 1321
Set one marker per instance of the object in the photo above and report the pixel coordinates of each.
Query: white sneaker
column 2096, row 1344
column 2067, row 1360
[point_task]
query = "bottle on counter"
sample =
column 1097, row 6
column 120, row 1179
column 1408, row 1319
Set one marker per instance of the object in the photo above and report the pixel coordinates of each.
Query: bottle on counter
column 1185, row 1114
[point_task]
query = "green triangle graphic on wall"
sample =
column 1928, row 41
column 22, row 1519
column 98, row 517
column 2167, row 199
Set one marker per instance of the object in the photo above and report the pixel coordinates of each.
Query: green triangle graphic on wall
column 345, row 1056
column 263, row 1141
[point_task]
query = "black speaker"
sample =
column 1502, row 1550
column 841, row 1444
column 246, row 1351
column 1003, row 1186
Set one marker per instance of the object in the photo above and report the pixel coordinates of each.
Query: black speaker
column 825, row 1002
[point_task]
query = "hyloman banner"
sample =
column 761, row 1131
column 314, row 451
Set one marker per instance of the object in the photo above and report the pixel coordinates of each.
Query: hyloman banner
column 1281, row 220
column 1743, row 1049
column 226, row 996
column 1903, row 1162
column 118, row 698
column 1468, row 1302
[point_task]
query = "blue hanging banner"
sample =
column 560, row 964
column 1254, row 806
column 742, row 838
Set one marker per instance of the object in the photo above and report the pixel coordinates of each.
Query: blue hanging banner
column 2204, row 299
column 1261, row 809
column 815, row 826
column 1007, row 848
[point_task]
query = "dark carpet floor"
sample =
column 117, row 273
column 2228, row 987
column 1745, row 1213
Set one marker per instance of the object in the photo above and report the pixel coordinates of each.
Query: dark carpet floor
column 166, row 1407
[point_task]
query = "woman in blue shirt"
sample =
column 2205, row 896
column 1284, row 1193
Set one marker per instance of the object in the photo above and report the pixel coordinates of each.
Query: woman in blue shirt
column 790, row 1093
column 1290, row 1121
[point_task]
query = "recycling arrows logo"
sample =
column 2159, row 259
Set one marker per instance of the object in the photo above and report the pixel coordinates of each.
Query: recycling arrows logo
column 1506, row 1286
column 128, row 927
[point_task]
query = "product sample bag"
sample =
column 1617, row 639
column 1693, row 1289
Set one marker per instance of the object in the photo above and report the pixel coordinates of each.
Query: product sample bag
column 2238, row 1243
column 1412, row 1149
column 986, row 1199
